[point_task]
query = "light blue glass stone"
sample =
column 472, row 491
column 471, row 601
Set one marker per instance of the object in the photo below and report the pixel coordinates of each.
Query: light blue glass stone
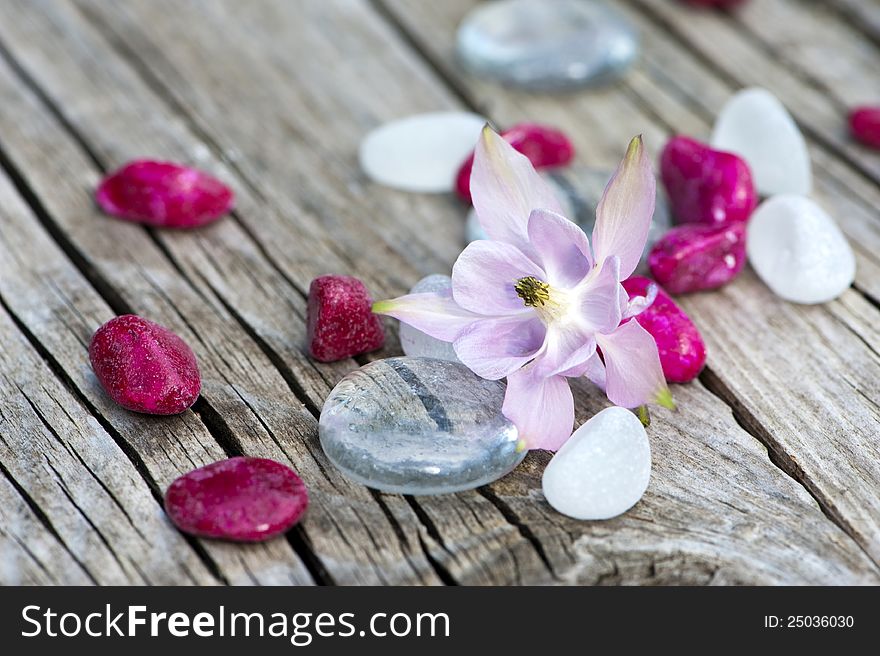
column 418, row 426
column 413, row 341
column 547, row 45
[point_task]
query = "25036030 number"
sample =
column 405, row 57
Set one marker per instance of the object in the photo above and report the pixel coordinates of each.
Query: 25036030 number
column 808, row 621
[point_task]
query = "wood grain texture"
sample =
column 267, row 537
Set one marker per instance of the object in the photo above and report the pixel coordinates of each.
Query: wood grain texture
column 765, row 376
column 277, row 108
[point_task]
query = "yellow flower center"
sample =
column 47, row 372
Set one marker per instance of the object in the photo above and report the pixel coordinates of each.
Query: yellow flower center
column 550, row 303
column 533, row 292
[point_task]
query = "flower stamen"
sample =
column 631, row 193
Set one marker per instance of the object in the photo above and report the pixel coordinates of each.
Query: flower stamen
column 533, row 292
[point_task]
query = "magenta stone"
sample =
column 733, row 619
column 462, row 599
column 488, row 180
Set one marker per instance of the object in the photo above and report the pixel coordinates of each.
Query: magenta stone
column 704, row 185
column 164, row 195
column 144, row 366
column 692, row 258
column 682, row 350
column 865, row 125
column 241, row 499
column 544, row 146
column 340, row 321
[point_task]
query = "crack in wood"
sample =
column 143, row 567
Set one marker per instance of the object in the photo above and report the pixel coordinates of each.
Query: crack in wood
column 44, row 520
column 782, row 460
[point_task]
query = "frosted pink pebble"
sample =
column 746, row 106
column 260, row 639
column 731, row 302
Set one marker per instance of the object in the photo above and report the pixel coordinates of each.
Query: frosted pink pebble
column 340, row 319
column 164, row 195
column 706, row 186
column 241, row 499
column 692, row 258
column 144, row 366
column 682, row 350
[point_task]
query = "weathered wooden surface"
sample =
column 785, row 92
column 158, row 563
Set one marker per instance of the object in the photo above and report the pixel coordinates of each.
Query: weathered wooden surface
column 768, row 472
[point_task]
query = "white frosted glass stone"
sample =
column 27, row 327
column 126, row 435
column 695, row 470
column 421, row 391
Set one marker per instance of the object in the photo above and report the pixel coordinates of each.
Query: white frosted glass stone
column 798, row 250
column 602, row 470
column 755, row 125
column 420, row 153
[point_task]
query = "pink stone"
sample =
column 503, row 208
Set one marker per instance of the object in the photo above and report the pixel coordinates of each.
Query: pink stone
column 692, row 258
column 865, row 125
column 682, row 350
column 544, row 146
column 241, row 499
column 164, row 195
column 144, row 366
column 704, row 185
column 341, row 322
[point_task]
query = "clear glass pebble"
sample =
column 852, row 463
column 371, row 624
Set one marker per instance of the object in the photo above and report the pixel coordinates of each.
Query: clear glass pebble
column 579, row 189
column 418, row 426
column 547, row 46
column 414, row 342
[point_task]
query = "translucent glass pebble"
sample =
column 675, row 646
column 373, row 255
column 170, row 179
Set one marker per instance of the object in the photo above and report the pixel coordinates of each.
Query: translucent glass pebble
column 579, row 189
column 414, row 342
column 547, row 46
column 418, row 426
column 420, row 153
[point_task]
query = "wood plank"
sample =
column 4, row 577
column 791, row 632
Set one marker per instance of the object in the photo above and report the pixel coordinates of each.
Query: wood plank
column 413, row 532
column 61, row 310
column 769, row 390
column 862, row 15
column 93, row 501
column 30, row 554
column 187, row 68
column 248, row 402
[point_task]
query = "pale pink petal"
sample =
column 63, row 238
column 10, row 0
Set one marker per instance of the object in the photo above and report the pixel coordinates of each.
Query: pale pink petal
column 561, row 248
column 594, row 369
column 541, row 408
column 601, row 298
column 566, row 347
column 638, row 304
column 625, row 211
column 632, row 367
column 484, row 276
column 493, row 348
column 505, row 189
column 434, row 314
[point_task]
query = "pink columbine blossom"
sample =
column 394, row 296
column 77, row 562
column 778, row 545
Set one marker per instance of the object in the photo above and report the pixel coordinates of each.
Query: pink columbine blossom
column 536, row 304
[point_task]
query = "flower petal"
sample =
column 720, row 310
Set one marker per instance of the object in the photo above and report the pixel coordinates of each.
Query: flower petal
column 484, row 276
column 601, row 298
column 565, row 349
column 561, row 247
column 632, row 367
column 638, row 304
column 541, row 408
column 594, row 369
column 624, row 214
column 493, row 348
column 435, row 314
column 505, row 189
